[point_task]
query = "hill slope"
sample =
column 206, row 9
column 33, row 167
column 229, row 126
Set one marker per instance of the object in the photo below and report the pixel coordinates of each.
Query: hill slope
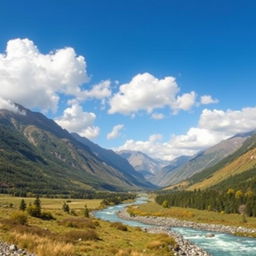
column 38, row 155
column 242, row 160
column 113, row 159
column 203, row 160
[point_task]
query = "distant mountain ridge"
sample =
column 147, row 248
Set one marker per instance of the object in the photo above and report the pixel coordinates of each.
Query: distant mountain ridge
column 239, row 164
column 203, row 160
column 143, row 163
column 38, row 155
column 113, row 159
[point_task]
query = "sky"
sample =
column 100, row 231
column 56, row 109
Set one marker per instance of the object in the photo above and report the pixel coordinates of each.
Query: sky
column 165, row 77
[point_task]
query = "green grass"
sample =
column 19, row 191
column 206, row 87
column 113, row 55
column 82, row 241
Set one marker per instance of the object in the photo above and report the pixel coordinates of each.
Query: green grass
column 201, row 216
column 51, row 204
column 60, row 237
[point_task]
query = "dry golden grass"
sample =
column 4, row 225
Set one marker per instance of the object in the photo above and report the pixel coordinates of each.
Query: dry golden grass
column 50, row 237
column 42, row 246
column 239, row 165
column 78, row 222
column 119, row 226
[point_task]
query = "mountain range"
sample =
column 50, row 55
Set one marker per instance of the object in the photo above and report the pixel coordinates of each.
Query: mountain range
column 37, row 155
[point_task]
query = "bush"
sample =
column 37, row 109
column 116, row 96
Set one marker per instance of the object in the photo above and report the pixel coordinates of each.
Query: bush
column 78, row 223
column 77, row 235
column 163, row 241
column 19, row 217
column 65, row 207
column 33, row 211
column 165, row 204
column 47, row 216
column 119, row 226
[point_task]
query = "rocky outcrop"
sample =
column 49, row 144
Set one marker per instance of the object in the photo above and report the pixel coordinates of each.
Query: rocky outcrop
column 12, row 250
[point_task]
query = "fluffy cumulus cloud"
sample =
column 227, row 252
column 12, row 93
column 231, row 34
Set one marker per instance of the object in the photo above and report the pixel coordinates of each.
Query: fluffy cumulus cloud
column 34, row 79
column 146, row 92
column 207, row 99
column 99, row 91
column 116, row 130
column 74, row 119
column 213, row 126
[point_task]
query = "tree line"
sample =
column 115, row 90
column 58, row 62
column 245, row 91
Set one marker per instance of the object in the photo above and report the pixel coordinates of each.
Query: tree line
column 227, row 201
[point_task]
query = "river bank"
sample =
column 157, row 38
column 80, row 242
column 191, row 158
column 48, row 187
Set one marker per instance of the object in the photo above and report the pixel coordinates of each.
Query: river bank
column 174, row 222
column 184, row 247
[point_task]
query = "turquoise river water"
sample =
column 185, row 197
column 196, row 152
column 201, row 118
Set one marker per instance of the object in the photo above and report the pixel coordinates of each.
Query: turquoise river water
column 220, row 245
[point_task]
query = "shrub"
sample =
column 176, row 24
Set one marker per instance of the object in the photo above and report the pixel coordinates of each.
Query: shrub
column 165, row 204
column 163, row 241
column 65, row 207
column 33, row 230
column 33, row 211
column 77, row 235
column 119, row 226
column 73, row 212
column 78, row 223
column 19, row 217
column 47, row 216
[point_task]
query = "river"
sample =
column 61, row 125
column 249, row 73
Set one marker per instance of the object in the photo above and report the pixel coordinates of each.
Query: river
column 221, row 244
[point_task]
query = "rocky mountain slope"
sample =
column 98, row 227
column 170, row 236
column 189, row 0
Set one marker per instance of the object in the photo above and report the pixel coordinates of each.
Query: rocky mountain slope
column 39, row 156
column 142, row 163
column 203, row 160
column 236, row 168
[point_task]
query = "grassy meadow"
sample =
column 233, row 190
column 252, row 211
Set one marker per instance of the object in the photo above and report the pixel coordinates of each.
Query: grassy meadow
column 69, row 235
column 202, row 216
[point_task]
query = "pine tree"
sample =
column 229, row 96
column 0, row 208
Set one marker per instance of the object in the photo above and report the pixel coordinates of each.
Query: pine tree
column 86, row 212
column 65, row 207
column 23, row 205
column 37, row 207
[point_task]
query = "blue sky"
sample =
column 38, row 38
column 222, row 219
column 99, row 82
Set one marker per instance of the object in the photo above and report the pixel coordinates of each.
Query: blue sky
column 207, row 46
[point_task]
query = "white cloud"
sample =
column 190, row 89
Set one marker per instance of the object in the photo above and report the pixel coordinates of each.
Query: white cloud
column 146, row 92
column 115, row 132
column 158, row 116
column 34, row 79
column 74, row 119
column 8, row 105
column 207, row 99
column 99, row 91
column 185, row 101
column 213, row 126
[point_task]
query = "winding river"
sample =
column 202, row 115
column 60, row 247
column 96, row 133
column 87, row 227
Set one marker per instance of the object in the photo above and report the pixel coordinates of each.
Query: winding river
column 220, row 245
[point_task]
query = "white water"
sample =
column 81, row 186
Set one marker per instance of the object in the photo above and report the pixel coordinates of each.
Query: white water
column 220, row 245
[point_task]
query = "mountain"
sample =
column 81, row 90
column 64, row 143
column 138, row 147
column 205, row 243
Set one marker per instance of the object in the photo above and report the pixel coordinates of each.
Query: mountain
column 239, row 167
column 116, row 161
column 142, row 163
column 203, row 160
column 165, row 171
column 37, row 155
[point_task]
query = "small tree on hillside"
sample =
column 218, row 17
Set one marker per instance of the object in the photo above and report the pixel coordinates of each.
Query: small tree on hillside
column 65, row 207
column 23, row 205
column 35, row 209
column 86, row 212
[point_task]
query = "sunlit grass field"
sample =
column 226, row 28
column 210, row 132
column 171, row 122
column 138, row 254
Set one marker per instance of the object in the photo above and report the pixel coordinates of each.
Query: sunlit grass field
column 154, row 209
column 70, row 235
column 51, row 203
